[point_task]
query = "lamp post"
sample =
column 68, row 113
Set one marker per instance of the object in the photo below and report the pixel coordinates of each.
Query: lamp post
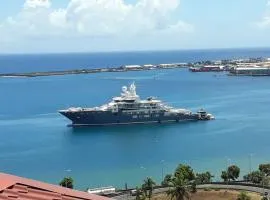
column 250, row 162
column 228, row 164
column 162, row 170
column 143, row 171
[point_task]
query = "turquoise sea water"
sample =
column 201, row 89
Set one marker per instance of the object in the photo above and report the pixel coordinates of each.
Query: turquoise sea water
column 36, row 143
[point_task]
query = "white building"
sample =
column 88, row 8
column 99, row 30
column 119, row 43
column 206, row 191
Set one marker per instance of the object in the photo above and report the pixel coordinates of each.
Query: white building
column 132, row 66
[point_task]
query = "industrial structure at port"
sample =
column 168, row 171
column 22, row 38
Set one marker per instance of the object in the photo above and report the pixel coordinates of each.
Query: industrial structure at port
column 237, row 67
column 130, row 109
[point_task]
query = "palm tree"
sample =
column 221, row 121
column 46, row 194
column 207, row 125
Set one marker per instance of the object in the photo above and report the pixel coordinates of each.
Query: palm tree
column 180, row 189
column 148, row 187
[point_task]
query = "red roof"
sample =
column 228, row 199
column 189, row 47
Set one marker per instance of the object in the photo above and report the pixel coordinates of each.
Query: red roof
column 14, row 187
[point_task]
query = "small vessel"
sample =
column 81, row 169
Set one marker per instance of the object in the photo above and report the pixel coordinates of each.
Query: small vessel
column 130, row 109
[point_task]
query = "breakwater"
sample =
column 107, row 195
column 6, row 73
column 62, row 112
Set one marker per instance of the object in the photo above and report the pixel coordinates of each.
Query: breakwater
column 199, row 66
column 97, row 70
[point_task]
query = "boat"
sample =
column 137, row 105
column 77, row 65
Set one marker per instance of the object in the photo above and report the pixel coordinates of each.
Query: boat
column 130, row 109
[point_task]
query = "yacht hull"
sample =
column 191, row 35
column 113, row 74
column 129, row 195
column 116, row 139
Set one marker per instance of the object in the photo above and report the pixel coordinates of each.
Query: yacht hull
column 101, row 118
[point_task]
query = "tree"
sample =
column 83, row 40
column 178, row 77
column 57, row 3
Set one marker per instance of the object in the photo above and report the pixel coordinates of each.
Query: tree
column 203, row 178
column 67, row 182
column 193, row 187
column 233, row 172
column 139, row 194
column 254, row 177
column 243, row 196
column 265, row 168
column 185, row 171
column 167, row 180
column 180, row 188
column 224, row 176
column 266, row 181
column 148, row 187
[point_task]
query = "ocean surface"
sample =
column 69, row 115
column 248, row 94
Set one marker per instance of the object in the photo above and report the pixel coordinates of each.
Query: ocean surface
column 36, row 142
column 50, row 62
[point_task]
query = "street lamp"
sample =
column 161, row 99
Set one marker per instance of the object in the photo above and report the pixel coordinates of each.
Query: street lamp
column 162, row 170
column 228, row 162
column 250, row 162
column 227, row 171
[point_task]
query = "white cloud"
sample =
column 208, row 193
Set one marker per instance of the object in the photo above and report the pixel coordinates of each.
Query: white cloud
column 29, row 4
column 265, row 21
column 93, row 18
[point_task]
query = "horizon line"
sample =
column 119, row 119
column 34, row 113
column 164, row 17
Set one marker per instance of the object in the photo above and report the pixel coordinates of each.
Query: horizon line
column 133, row 51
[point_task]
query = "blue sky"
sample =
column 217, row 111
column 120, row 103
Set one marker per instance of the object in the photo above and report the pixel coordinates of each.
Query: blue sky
column 118, row 25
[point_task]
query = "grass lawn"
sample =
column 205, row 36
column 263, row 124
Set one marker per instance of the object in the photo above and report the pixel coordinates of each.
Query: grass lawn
column 212, row 195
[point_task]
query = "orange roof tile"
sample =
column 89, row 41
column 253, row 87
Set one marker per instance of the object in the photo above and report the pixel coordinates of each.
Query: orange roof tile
column 18, row 188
